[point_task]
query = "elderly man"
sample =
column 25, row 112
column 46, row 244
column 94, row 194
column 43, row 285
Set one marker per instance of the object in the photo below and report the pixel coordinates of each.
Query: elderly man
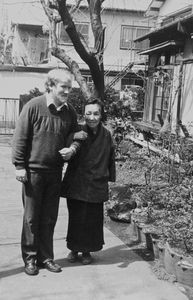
column 38, row 155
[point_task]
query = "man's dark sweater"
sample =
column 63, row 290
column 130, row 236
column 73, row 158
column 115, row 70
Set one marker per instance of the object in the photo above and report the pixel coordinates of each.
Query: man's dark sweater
column 42, row 132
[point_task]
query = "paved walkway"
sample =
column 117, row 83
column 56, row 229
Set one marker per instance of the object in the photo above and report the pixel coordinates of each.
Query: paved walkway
column 117, row 272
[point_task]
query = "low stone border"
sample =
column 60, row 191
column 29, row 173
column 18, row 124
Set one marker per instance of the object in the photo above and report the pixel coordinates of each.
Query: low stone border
column 175, row 264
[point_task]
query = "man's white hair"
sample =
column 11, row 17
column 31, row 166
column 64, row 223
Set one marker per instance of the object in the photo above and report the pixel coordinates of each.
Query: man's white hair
column 57, row 75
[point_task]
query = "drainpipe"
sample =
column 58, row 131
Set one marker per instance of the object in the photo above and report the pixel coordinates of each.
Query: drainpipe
column 178, row 116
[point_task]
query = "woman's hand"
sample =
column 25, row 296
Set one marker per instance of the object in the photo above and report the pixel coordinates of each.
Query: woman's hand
column 80, row 135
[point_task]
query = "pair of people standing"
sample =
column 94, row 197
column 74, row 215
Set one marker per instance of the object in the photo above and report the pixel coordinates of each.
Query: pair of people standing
column 39, row 151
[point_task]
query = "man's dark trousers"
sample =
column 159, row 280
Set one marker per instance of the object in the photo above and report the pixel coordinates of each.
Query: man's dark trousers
column 41, row 195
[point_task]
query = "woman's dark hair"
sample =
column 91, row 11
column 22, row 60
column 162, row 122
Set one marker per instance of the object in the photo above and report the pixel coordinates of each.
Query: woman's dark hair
column 95, row 101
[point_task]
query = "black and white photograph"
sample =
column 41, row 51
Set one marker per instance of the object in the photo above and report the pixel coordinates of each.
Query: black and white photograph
column 96, row 149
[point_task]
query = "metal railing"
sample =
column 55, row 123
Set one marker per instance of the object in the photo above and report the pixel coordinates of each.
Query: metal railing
column 9, row 112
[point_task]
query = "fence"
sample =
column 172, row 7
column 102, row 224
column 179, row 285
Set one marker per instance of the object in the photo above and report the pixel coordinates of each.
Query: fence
column 9, row 112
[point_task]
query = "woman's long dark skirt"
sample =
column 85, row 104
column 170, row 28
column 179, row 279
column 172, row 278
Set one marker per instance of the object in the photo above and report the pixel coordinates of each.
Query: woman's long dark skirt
column 85, row 226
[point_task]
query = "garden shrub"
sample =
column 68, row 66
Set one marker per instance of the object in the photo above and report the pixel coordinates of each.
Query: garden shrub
column 169, row 188
column 26, row 97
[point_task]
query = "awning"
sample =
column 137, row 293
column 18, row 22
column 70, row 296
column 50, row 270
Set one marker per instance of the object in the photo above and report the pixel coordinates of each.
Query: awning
column 161, row 46
column 183, row 20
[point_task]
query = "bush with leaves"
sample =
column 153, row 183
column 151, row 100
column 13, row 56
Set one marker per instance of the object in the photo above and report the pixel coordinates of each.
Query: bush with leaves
column 26, row 97
column 169, row 187
column 77, row 100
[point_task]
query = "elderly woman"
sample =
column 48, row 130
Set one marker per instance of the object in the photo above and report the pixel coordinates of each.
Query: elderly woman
column 85, row 185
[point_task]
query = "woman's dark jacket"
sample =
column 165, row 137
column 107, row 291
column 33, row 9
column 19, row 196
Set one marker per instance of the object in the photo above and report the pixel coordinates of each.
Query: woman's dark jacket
column 89, row 171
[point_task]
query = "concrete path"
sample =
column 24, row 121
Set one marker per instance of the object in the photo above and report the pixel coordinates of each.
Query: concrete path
column 117, row 272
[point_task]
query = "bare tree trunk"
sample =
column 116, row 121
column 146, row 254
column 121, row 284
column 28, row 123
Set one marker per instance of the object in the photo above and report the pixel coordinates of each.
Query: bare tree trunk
column 94, row 59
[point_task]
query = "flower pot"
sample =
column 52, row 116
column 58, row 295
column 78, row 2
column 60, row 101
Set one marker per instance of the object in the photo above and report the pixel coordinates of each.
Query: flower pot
column 156, row 239
column 149, row 242
column 141, row 234
column 161, row 252
column 134, row 229
column 155, row 247
column 171, row 258
column 140, row 215
column 184, row 272
column 147, row 229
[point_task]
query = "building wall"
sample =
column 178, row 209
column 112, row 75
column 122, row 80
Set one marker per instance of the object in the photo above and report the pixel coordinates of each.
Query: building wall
column 114, row 57
column 30, row 47
column 14, row 83
column 187, row 94
column 186, row 107
column 188, row 53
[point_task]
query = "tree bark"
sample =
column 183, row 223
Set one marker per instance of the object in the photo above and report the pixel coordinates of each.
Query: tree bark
column 94, row 59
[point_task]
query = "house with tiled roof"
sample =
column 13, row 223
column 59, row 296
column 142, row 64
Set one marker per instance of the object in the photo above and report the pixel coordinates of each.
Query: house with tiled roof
column 169, row 93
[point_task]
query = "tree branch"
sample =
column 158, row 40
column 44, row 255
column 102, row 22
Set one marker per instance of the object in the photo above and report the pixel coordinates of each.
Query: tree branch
column 74, row 68
column 72, row 32
column 98, row 32
column 52, row 20
column 75, row 7
column 96, row 23
column 94, row 60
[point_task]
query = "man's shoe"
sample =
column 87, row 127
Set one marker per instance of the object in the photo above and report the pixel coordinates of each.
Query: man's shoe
column 31, row 268
column 52, row 266
column 86, row 258
column 72, row 256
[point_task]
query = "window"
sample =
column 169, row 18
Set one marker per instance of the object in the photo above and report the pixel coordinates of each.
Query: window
column 161, row 103
column 131, row 81
column 129, row 34
column 82, row 28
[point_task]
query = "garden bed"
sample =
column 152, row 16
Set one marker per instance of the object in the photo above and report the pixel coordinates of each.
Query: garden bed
column 162, row 191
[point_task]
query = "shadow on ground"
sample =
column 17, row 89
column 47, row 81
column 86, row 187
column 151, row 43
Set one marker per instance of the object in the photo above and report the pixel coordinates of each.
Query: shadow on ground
column 121, row 255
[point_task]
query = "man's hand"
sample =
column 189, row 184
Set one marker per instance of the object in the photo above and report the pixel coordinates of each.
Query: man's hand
column 80, row 135
column 67, row 153
column 21, row 175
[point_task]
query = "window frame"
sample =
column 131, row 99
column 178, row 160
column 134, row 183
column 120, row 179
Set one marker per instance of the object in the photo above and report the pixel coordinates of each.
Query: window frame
column 134, row 36
column 69, row 42
column 163, row 96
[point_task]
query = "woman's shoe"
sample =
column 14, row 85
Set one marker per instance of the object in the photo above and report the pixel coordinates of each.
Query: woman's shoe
column 86, row 258
column 72, row 256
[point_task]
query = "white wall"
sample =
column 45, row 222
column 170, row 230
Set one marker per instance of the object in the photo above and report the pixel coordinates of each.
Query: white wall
column 114, row 57
column 13, row 83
